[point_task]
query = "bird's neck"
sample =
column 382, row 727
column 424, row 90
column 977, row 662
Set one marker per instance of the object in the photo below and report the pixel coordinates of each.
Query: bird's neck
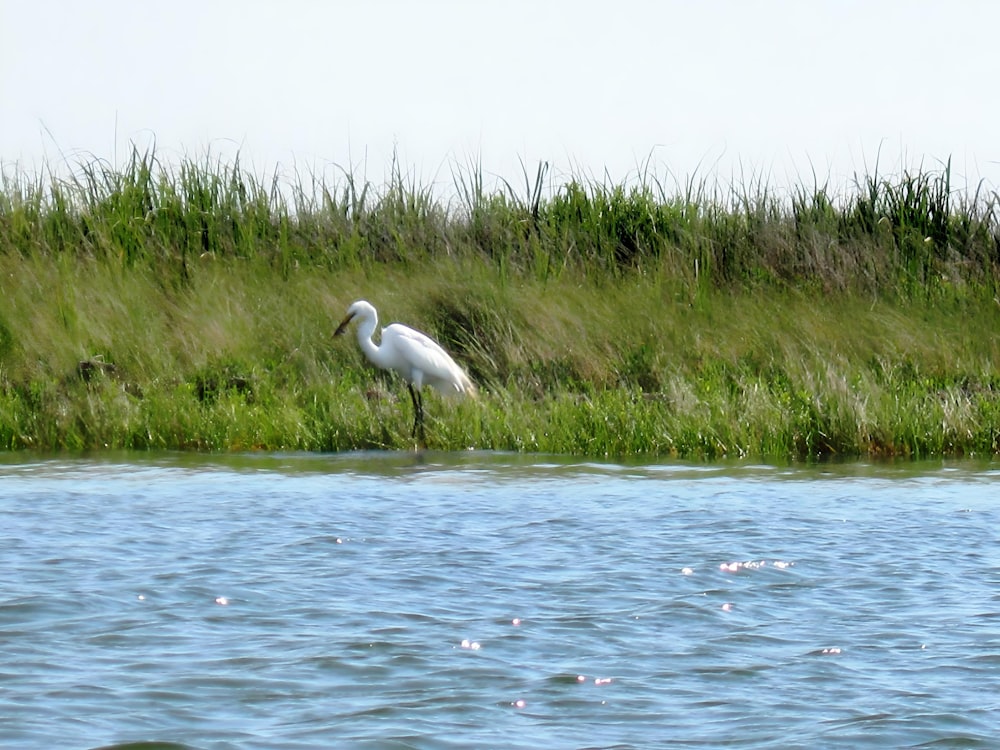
column 365, row 331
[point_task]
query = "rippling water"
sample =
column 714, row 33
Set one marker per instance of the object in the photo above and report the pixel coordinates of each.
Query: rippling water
column 395, row 601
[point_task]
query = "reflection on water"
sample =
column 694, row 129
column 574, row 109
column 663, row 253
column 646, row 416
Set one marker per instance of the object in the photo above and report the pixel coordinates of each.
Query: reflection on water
column 471, row 600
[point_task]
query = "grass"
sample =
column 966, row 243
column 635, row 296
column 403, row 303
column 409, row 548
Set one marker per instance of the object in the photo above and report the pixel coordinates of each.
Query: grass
column 193, row 307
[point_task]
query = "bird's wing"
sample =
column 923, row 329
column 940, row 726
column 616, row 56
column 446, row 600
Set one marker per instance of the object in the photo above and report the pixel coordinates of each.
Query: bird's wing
column 421, row 353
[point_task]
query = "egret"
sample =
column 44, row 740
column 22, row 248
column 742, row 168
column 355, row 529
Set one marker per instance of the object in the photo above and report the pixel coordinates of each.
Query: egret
column 417, row 357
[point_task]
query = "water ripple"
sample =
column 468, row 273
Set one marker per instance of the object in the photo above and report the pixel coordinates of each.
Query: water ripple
column 387, row 601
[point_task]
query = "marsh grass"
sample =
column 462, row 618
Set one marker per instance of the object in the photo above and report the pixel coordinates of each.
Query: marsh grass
column 193, row 307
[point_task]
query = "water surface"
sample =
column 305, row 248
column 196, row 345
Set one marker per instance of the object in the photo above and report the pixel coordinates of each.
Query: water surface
column 482, row 600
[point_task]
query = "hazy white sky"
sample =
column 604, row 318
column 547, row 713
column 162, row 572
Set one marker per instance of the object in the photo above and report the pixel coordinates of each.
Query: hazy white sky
column 709, row 87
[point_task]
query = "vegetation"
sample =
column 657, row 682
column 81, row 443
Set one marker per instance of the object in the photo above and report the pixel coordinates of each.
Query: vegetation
column 193, row 306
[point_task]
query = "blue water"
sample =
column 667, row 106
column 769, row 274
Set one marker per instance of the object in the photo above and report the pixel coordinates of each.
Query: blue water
column 480, row 601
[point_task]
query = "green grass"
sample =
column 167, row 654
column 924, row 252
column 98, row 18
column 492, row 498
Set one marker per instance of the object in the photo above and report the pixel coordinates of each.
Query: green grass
column 193, row 307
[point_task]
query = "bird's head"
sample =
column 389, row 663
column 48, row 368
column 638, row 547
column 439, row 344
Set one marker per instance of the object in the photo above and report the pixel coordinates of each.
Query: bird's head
column 360, row 309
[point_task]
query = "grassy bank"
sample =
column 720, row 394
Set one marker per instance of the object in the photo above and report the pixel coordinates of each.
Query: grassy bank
column 193, row 307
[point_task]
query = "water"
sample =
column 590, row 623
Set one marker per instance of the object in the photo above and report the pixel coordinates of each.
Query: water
column 391, row 601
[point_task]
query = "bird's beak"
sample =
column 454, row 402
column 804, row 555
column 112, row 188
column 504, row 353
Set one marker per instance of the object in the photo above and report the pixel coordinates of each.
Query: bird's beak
column 343, row 325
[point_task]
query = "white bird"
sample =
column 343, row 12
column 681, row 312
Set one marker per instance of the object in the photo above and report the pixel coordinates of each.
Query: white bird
column 417, row 357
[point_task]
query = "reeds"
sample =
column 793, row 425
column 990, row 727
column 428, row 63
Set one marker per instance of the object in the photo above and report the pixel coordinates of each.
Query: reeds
column 191, row 306
column 890, row 233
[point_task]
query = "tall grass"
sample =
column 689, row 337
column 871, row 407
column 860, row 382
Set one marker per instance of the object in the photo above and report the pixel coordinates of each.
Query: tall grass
column 192, row 306
column 901, row 234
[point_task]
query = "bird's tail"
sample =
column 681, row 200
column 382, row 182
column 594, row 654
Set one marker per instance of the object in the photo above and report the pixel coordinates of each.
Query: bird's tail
column 467, row 387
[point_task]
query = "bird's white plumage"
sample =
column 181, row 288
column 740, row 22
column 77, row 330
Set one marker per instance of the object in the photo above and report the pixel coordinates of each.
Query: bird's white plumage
column 417, row 357
column 422, row 361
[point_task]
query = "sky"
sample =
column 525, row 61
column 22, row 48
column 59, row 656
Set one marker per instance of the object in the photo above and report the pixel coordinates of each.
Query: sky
column 727, row 90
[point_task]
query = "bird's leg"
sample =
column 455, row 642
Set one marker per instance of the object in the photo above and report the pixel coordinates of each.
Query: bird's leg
column 416, row 409
column 418, row 413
